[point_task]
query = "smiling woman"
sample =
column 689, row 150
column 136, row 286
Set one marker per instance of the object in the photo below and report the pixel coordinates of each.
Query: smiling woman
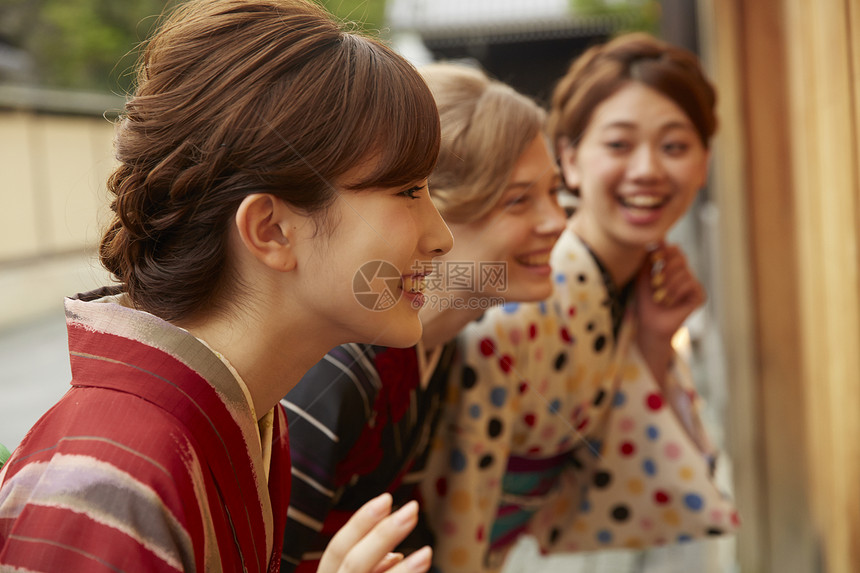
column 637, row 168
column 377, row 225
column 241, row 212
column 559, row 429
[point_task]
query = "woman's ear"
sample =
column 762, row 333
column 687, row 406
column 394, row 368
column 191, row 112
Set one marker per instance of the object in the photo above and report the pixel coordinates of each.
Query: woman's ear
column 265, row 225
column 567, row 159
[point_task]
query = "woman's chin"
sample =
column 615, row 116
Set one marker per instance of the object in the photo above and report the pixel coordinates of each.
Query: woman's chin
column 530, row 293
column 400, row 336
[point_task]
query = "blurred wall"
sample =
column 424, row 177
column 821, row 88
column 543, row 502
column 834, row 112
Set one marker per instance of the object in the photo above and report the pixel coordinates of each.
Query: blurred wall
column 788, row 191
column 55, row 156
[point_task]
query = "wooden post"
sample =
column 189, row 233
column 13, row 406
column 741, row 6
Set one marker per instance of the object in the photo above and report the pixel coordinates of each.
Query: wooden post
column 791, row 72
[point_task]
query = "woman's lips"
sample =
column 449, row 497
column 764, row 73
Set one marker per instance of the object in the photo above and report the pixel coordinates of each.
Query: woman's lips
column 413, row 289
column 644, row 200
column 643, row 208
column 415, row 283
column 536, row 261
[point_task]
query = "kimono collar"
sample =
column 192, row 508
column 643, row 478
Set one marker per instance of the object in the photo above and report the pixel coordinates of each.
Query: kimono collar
column 618, row 298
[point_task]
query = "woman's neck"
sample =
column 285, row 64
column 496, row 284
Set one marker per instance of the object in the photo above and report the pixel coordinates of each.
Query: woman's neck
column 270, row 366
column 442, row 325
column 622, row 262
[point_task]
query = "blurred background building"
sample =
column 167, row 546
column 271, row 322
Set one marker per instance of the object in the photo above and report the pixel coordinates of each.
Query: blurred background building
column 774, row 236
column 525, row 44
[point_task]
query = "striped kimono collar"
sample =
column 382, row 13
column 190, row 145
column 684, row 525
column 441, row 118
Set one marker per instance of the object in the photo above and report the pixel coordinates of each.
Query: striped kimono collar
column 191, row 383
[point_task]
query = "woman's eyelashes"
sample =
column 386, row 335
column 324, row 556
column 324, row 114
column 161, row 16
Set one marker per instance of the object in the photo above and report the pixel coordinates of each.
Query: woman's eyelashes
column 515, row 200
column 618, row 146
column 676, row 148
column 672, row 147
column 413, row 192
column 520, row 201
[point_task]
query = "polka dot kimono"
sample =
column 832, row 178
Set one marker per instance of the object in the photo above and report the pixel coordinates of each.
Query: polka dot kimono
column 556, row 429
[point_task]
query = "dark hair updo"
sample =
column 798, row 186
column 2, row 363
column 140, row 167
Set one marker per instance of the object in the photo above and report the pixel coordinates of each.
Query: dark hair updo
column 236, row 97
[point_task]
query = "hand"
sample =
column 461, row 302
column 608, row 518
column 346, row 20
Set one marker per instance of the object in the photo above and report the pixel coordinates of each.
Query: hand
column 666, row 294
column 363, row 545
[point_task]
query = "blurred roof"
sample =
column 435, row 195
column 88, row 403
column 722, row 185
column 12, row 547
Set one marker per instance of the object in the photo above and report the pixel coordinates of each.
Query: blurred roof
column 493, row 20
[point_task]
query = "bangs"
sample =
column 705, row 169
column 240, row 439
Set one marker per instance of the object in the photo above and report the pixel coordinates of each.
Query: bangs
column 674, row 83
column 398, row 123
column 481, row 148
column 582, row 98
column 503, row 126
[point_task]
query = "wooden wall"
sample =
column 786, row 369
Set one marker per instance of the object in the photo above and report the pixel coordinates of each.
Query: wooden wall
column 56, row 152
column 788, row 190
column 53, row 170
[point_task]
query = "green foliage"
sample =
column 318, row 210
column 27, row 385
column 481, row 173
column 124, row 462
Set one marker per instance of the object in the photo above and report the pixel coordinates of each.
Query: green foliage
column 4, row 455
column 83, row 44
column 368, row 14
column 634, row 15
column 93, row 44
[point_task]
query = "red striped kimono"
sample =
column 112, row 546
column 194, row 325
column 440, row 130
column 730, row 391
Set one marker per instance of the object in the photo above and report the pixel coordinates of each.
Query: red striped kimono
column 152, row 461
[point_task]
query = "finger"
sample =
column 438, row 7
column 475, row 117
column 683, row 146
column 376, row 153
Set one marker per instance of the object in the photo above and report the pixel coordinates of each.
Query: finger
column 391, row 530
column 677, row 285
column 388, row 562
column 656, row 265
column 666, row 259
column 697, row 296
column 358, row 526
column 373, row 548
column 418, row 562
column 678, row 280
column 688, row 292
column 678, row 276
column 662, row 286
column 672, row 261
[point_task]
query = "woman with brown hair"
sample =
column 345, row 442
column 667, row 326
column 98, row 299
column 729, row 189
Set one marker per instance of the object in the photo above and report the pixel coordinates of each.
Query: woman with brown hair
column 560, row 429
column 265, row 157
column 369, row 429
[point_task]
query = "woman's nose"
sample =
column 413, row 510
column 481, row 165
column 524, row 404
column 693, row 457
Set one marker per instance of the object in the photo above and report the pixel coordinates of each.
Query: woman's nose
column 551, row 217
column 437, row 238
column 645, row 163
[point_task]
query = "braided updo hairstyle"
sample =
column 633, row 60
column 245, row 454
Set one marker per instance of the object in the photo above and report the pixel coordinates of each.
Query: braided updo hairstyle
column 236, row 97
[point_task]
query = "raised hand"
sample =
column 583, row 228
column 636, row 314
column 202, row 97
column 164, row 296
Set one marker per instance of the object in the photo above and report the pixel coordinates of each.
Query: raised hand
column 667, row 292
column 364, row 544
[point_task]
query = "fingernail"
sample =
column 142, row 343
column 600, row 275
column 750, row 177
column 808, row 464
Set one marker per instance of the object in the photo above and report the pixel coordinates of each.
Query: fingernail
column 391, row 560
column 659, row 294
column 407, row 513
column 420, row 560
column 380, row 505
